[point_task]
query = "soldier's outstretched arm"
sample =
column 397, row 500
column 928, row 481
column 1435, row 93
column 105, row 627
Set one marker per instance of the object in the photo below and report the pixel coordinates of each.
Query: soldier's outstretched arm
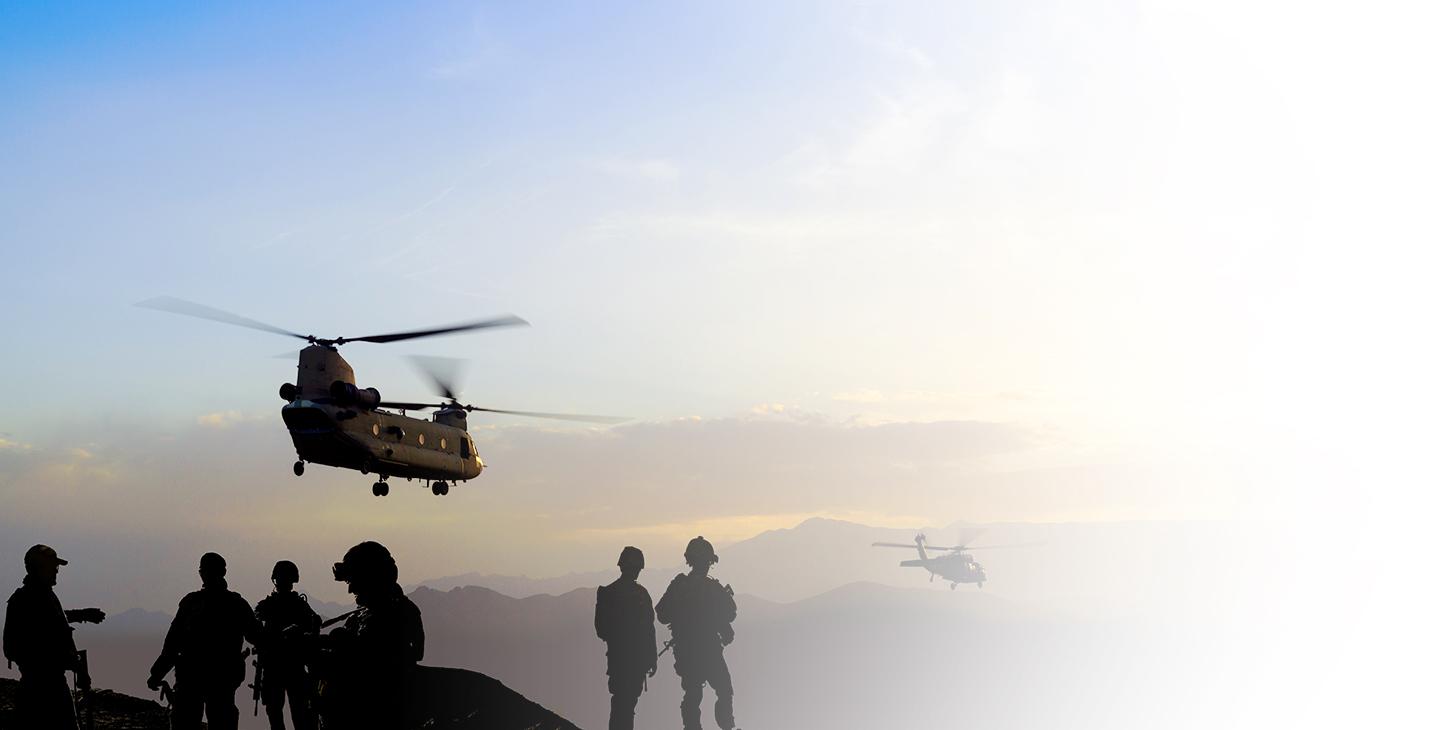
column 84, row 615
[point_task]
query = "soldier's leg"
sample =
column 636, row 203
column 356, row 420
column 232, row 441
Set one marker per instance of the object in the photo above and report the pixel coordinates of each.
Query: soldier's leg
column 44, row 702
column 624, row 694
column 272, row 694
column 299, row 687
column 220, row 709
column 719, row 678
column 694, row 685
column 188, row 707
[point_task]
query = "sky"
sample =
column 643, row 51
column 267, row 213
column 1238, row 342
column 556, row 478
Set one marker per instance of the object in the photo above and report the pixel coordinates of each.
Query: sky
column 903, row 264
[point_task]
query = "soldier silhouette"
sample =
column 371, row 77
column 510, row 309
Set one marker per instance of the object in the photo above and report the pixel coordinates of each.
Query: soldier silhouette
column 286, row 620
column 203, row 646
column 38, row 639
column 625, row 621
column 699, row 612
column 367, row 664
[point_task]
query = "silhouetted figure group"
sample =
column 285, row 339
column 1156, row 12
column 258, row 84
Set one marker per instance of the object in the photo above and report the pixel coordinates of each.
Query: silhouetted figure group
column 359, row 675
column 699, row 612
column 364, row 667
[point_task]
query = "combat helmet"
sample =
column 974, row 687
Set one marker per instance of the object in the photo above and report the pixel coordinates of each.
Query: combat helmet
column 285, row 571
column 631, row 556
column 368, row 561
column 699, row 550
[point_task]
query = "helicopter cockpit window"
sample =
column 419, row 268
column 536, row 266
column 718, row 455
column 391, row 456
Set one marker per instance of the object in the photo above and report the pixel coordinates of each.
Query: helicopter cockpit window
column 464, row 448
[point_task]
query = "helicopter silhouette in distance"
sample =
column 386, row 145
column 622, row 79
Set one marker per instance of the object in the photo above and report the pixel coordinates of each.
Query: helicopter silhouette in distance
column 334, row 422
column 956, row 565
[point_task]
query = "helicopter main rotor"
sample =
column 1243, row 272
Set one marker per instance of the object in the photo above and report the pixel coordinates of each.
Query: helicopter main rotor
column 191, row 309
column 444, row 371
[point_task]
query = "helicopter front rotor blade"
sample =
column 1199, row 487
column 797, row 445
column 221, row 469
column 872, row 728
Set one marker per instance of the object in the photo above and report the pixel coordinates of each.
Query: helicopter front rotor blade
column 582, row 418
column 175, row 305
column 508, row 320
column 910, row 546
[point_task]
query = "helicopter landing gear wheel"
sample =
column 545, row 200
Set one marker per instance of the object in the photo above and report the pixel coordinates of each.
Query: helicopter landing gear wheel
column 952, row 586
column 380, row 489
column 299, row 468
column 439, row 488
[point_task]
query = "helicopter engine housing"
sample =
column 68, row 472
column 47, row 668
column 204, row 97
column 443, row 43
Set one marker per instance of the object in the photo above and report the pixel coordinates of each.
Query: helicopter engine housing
column 349, row 395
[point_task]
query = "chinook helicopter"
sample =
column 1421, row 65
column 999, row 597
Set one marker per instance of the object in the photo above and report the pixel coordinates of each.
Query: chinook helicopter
column 334, row 422
column 957, row 566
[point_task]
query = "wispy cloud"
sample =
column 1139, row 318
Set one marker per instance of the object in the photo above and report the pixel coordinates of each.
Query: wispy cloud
column 226, row 419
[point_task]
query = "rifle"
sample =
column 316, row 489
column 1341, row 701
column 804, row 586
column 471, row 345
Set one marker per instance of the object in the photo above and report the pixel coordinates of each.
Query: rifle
column 668, row 644
column 82, row 683
column 255, row 687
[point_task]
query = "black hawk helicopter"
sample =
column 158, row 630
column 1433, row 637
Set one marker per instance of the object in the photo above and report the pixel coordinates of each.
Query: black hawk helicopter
column 334, row 422
column 955, row 566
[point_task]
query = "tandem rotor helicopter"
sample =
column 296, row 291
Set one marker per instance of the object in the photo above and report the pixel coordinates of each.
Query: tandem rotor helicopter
column 334, row 422
column 957, row 566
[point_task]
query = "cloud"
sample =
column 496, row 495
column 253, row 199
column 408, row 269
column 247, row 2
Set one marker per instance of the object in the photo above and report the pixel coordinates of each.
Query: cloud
column 551, row 501
column 225, row 419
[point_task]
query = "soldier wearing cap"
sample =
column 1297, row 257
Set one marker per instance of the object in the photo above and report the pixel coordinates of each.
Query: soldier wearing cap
column 699, row 612
column 625, row 621
column 203, row 646
column 286, row 621
column 38, row 639
column 368, row 664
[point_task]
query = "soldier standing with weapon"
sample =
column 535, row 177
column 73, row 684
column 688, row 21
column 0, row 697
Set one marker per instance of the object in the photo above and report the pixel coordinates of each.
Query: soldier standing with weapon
column 699, row 612
column 203, row 647
column 625, row 621
column 38, row 638
column 286, row 623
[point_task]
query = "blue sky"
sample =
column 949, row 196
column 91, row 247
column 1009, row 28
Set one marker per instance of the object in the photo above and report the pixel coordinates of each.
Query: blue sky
column 1101, row 244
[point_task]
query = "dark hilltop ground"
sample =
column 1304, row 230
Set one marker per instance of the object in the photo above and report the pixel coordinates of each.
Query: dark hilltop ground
column 451, row 698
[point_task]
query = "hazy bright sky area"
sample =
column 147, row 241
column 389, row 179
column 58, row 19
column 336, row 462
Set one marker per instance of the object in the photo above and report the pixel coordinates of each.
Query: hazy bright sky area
column 901, row 263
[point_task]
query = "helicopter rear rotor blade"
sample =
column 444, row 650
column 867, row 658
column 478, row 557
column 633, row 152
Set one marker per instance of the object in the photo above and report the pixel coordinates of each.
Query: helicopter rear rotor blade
column 580, row 417
column 444, row 372
column 508, row 320
column 995, row 547
column 175, row 305
column 398, row 405
column 910, row 546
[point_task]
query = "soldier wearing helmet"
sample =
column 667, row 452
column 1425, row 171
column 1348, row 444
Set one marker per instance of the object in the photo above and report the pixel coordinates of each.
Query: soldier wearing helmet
column 367, row 664
column 38, row 639
column 699, row 612
column 286, row 622
column 625, row 621
column 203, row 647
